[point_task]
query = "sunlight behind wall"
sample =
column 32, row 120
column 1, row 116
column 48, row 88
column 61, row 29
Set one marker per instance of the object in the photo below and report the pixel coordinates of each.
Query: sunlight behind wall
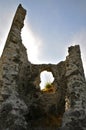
column 33, row 45
column 32, row 42
column 46, row 77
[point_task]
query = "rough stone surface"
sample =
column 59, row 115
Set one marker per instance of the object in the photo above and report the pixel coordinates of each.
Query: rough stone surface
column 23, row 106
column 76, row 91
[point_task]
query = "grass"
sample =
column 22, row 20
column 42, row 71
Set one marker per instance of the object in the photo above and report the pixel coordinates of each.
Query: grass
column 48, row 88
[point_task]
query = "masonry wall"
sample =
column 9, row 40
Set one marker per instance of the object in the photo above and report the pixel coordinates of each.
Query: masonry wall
column 23, row 105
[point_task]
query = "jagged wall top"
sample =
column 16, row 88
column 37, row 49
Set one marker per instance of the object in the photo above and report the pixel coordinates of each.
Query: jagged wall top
column 17, row 25
column 19, row 17
column 14, row 56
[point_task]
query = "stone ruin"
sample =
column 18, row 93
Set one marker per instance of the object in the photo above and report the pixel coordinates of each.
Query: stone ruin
column 23, row 106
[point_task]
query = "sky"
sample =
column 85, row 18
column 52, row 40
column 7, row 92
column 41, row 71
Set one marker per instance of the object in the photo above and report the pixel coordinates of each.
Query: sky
column 51, row 26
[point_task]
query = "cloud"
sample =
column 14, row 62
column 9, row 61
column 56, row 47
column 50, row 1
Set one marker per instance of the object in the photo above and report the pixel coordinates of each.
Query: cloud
column 32, row 42
column 80, row 38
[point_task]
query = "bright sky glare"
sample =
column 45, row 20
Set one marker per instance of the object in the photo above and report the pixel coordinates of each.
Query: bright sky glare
column 32, row 42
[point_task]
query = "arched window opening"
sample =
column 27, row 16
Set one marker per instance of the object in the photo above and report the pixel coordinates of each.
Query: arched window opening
column 46, row 81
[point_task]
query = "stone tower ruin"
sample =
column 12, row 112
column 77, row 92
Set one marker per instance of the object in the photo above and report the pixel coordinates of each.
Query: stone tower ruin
column 23, row 106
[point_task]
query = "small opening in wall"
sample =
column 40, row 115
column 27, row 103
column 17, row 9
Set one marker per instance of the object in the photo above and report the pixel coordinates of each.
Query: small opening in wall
column 47, row 79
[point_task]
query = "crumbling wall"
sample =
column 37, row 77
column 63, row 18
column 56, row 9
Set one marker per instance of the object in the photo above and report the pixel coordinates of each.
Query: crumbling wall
column 76, row 91
column 23, row 105
column 59, row 83
column 13, row 60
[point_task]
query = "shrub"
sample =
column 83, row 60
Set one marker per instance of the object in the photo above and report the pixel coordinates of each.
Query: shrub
column 48, row 85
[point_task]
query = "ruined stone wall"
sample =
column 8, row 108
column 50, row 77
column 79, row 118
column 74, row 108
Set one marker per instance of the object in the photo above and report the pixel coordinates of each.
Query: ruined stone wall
column 23, row 105
column 13, row 65
column 76, row 91
column 14, row 59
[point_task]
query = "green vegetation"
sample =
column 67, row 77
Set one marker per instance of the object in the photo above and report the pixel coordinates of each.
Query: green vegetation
column 48, row 85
